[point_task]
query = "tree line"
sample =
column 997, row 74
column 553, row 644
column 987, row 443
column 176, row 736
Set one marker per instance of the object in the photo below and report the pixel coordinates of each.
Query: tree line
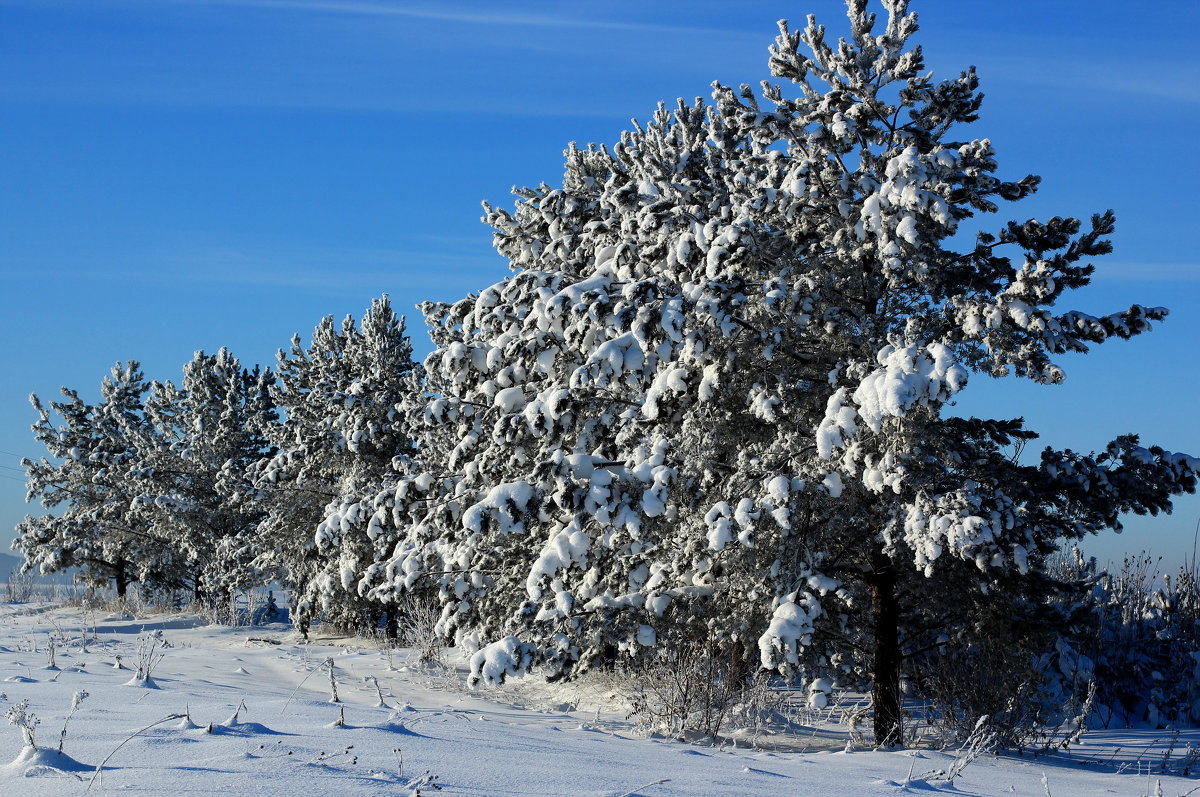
column 708, row 406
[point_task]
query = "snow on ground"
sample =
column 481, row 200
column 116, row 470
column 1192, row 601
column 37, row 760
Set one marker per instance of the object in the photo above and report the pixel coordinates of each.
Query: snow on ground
column 225, row 712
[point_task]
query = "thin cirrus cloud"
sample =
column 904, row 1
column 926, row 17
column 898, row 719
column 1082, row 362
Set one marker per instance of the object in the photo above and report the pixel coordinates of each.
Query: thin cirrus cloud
column 336, row 270
column 1130, row 271
column 1081, row 78
column 470, row 17
column 310, row 54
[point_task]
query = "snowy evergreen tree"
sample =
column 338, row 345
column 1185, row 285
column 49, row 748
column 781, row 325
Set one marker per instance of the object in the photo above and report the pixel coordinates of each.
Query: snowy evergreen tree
column 708, row 403
column 190, row 481
column 347, row 400
column 91, row 449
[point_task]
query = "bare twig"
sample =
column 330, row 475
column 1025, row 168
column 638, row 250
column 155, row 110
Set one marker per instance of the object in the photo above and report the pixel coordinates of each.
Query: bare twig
column 100, row 766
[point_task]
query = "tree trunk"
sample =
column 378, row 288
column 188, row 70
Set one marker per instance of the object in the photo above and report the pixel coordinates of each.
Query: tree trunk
column 885, row 613
column 391, row 627
column 121, row 579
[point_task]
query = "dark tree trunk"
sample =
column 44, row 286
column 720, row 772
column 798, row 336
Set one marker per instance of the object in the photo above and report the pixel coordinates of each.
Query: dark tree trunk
column 885, row 614
column 121, row 579
column 391, row 626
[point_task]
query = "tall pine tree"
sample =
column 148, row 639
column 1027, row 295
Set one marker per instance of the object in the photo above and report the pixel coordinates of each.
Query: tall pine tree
column 347, row 399
column 708, row 403
column 85, row 485
column 190, row 481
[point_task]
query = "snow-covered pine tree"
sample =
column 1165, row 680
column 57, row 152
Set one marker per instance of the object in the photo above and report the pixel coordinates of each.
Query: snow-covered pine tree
column 190, row 481
column 347, row 400
column 91, row 448
column 708, row 403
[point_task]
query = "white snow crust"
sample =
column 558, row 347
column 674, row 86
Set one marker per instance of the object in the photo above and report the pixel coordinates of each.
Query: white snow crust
column 259, row 722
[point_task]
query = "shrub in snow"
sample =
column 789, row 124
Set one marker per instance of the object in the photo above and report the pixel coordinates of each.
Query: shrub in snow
column 418, row 619
column 33, row 759
column 149, row 651
column 76, row 700
column 708, row 401
column 1006, row 672
column 18, row 587
column 26, row 720
column 264, row 611
column 1140, row 640
column 694, row 690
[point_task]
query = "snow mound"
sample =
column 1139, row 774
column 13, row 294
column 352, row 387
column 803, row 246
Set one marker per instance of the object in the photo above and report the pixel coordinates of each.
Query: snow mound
column 34, row 762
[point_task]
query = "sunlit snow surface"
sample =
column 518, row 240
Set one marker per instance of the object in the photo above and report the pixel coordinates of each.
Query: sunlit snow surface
column 274, row 729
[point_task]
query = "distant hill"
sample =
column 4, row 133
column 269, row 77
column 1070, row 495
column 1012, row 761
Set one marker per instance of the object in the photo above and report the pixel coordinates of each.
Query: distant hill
column 10, row 564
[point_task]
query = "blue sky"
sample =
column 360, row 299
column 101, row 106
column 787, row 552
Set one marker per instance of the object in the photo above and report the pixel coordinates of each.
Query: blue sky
column 189, row 174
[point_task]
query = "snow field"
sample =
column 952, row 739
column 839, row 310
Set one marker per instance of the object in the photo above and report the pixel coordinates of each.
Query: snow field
column 250, row 717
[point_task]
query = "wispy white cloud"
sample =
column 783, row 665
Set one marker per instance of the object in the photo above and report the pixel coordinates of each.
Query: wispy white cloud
column 319, row 269
column 470, row 17
column 1127, row 271
column 363, row 56
column 1174, row 81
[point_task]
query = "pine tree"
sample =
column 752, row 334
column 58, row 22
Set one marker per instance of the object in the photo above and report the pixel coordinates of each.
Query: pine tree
column 92, row 447
column 709, row 401
column 190, row 481
column 347, row 399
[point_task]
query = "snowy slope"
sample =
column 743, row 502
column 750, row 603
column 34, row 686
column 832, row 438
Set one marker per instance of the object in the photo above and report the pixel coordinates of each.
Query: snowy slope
column 227, row 713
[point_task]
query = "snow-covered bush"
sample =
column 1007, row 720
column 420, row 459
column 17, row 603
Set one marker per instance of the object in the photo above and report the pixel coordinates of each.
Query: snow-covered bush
column 418, row 629
column 1001, row 673
column 20, row 715
column 18, row 587
column 149, row 651
column 691, row 690
column 1142, row 642
column 1123, row 652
